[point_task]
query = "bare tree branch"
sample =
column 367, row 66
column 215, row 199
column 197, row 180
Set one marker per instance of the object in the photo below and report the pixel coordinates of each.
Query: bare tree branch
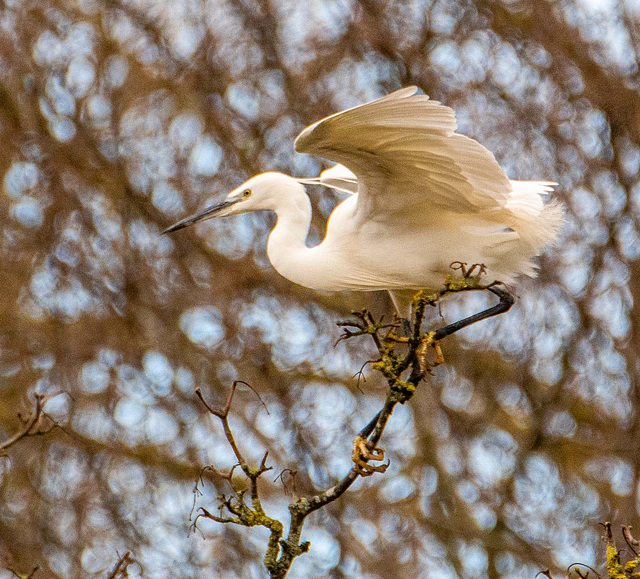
column 32, row 426
column 281, row 552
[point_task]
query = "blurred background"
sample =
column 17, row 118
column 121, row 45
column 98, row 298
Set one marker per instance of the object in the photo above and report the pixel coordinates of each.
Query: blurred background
column 119, row 117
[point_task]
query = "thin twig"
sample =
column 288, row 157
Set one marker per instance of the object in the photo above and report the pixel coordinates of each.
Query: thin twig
column 120, row 569
column 630, row 540
column 575, row 565
column 32, row 426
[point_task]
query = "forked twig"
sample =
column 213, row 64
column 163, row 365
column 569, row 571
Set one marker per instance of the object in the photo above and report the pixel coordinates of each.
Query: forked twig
column 120, row 569
column 32, row 426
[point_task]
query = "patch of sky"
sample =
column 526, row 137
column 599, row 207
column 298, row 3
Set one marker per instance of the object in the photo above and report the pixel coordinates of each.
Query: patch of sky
column 492, row 456
column 184, row 380
column 325, row 555
column 99, row 109
column 94, row 421
column 445, row 57
column 617, row 472
column 20, row 178
column 485, row 516
column 328, row 405
column 126, row 477
column 28, row 211
column 48, row 49
column 244, row 99
column 561, row 424
column 467, row 491
column 205, row 157
column 68, row 301
column 612, row 309
column 611, row 192
column 474, row 558
column 397, row 489
column 94, row 377
column 94, row 559
column 473, row 54
column 271, row 84
column 62, row 129
column 226, row 372
column 129, row 413
column 301, row 20
column 144, row 237
column 80, row 39
column 133, row 382
column 116, row 71
column 167, row 199
column 186, row 40
column 450, row 457
column 506, row 65
column 80, row 76
column 159, row 371
column 538, row 487
column 203, row 326
column 457, row 395
column 513, row 400
column 64, row 483
column 148, row 115
column 185, row 130
column 160, row 426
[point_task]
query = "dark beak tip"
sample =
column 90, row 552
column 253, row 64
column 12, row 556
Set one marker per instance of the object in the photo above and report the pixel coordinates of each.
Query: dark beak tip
column 193, row 219
column 168, row 230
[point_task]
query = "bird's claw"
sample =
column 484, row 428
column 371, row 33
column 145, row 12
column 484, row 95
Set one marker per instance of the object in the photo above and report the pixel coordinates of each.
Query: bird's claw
column 423, row 351
column 364, row 451
column 477, row 270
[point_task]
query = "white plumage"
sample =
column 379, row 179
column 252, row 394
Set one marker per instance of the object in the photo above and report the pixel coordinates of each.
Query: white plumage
column 426, row 197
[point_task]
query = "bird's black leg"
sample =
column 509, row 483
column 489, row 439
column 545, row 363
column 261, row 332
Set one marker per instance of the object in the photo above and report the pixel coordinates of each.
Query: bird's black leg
column 368, row 429
column 504, row 305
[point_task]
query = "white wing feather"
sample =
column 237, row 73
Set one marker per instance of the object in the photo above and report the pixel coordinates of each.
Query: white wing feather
column 405, row 153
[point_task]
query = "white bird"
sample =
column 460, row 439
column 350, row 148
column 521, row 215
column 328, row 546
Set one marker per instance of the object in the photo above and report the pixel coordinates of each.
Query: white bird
column 423, row 197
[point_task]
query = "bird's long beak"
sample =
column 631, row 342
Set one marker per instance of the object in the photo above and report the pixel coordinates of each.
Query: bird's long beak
column 212, row 211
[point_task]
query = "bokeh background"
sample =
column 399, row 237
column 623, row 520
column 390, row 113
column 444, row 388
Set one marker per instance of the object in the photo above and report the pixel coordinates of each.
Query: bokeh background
column 119, row 117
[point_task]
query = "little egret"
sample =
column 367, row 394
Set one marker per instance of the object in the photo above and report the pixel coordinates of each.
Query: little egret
column 423, row 197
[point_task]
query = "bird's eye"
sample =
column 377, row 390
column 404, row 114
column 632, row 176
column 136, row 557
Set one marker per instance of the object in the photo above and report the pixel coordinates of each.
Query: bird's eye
column 246, row 193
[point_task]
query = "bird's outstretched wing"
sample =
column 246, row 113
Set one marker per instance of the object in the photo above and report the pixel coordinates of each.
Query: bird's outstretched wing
column 407, row 157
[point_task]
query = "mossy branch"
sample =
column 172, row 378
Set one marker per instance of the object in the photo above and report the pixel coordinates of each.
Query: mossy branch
column 615, row 567
column 404, row 362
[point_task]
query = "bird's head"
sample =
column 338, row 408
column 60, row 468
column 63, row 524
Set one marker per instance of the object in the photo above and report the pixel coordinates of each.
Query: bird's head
column 262, row 192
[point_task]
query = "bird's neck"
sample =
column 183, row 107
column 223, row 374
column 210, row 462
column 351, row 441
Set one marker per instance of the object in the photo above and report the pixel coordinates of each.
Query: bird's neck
column 287, row 247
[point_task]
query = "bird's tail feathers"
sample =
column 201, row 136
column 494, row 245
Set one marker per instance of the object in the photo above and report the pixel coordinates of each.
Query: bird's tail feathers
column 538, row 223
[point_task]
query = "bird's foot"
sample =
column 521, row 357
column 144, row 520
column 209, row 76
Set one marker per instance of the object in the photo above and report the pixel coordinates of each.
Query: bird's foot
column 471, row 275
column 363, row 451
column 422, row 353
column 476, row 270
